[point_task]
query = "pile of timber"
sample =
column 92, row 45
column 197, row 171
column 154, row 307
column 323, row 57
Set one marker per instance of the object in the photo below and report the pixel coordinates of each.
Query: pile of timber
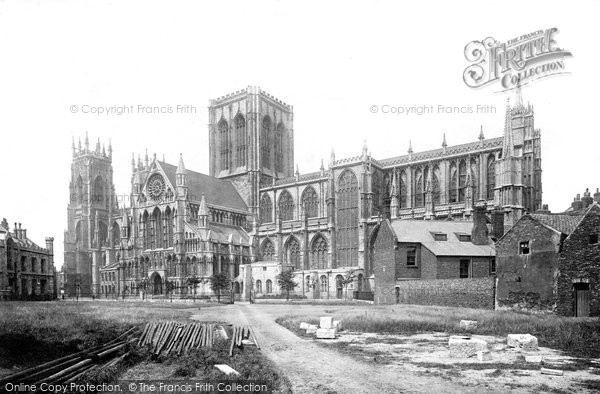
column 167, row 337
column 241, row 334
column 69, row 369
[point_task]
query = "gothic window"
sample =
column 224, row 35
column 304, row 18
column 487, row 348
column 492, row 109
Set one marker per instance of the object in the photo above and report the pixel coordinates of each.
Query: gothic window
column 474, row 168
column 403, row 190
column 435, row 185
column 240, row 140
column 79, row 191
column 386, row 198
column 266, row 209
column 323, row 284
column 115, row 234
column 269, row 286
column 157, row 229
column 308, row 283
column 310, row 202
column 259, row 286
column 265, row 142
column 462, row 180
column 376, row 189
column 453, row 186
column 318, row 253
column 491, row 177
column 268, row 250
column 286, row 206
column 292, row 253
column 347, row 216
column 99, row 191
column 169, row 227
column 279, row 134
column 224, row 139
column 419, row 200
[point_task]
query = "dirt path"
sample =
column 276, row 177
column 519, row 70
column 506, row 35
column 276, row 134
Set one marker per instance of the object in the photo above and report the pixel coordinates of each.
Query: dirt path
column 314, row 369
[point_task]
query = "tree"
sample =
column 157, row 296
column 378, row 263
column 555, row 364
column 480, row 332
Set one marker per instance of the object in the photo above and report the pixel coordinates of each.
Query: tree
column 194, row 281
column 170, row 286
column 143, row 286
column 348, row 278
column 219, row 282
column 286, row 282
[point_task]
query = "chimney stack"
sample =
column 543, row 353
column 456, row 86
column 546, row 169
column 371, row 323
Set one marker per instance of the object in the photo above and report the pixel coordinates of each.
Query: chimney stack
column 497, row 223
column 597, row 195
column 16, row 231
column 50, row 244
column 587, row 199
column 479, row 233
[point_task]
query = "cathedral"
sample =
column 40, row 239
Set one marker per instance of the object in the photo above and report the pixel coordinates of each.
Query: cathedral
column 253, row 216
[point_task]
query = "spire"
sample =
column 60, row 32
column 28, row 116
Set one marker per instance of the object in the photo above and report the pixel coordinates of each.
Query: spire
column 518, row 96
column 481, row 136
column 87, row 142
column 444, row 143
column 125, row 218
column 181, row 167
column 394, row 197
column 365, row 151
column 332, row 158
column 109, row 148
column 146, row 159
column 410, row 150
column 202, row 213
column 103, row 150
column 132, row 161
column 79, row 144
column 322, row 168
column 98, row 145
column 139, row 162
column 297, row 173
column 508, row 146
column 73, row 146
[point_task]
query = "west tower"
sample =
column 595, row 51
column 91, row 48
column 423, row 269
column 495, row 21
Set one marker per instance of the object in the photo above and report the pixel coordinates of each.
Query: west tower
column 91, row 205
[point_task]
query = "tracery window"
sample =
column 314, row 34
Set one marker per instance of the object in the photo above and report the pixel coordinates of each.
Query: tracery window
column 279, row 134
column 292, row 253
column 265, row 142
column 224, row 136
column 286, row 206
column 266, row 209
column 462, row 180
column 240, row 140
column 310, row 202
column 267, row 250
column 347, row 216
column 491, row 177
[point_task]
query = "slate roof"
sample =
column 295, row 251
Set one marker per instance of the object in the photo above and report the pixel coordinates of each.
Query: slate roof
column 217, row 192
column 219, row 232
column 560, row 222
column 421, row 231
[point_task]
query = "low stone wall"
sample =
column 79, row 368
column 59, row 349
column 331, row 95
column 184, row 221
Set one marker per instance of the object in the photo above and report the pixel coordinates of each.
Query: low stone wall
column 468, row 292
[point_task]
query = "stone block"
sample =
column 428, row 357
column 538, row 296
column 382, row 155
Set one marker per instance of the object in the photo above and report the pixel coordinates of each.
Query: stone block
column 312, row 329
column 337, row 324
column 533, row 359
column 304, row 325
column 463, row 347
column 522, row 341
column 548, row 371
column 484, row 355
column 326, row 322
column 468, row 324
column 326, row 333
column 226, row 369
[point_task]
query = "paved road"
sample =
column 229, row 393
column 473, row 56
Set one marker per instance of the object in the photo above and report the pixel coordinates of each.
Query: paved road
column 312, row 368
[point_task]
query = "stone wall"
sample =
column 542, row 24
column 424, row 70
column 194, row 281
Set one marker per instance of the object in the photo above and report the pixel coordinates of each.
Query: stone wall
column 468, row 293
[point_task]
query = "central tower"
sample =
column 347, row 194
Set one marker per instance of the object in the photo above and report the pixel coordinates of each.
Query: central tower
column 251, row 141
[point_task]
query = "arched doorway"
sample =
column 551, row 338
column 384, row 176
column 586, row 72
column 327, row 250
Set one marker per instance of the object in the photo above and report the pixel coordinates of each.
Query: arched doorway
column 157, row 282
column 339, row 287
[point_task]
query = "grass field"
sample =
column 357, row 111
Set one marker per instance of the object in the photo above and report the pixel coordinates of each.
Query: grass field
column 577, row 337
column 34, row 332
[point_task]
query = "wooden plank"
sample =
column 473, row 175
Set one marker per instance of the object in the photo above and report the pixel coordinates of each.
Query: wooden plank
column 232, row 341
column 254, row 338
column 548, row 371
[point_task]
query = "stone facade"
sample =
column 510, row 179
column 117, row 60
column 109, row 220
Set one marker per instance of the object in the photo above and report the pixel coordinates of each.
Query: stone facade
column 26, row 269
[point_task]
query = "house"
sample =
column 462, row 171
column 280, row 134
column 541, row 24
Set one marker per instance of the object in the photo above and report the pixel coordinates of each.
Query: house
column 551, row 262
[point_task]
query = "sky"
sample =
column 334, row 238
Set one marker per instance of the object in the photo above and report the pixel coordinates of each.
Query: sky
column 333, row 61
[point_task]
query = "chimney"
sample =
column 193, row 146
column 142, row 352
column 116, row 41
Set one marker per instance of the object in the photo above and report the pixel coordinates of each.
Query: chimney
column 597, row 195
column 577, row 204
column 479, row 233
column 544, row 210
column 4, row 223
column 17, row 231
column 587, row 200
column 497, row 223
column 50, row 244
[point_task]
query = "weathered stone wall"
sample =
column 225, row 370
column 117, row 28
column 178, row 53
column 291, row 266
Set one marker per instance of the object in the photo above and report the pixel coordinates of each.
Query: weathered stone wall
column 580, row 261
column 468, row 292
column 527, row 281
column 385, row 265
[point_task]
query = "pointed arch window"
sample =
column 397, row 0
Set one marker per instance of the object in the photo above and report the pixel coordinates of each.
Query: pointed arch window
column 491, row 177
column 318, row 251
column 435, row 185
column 99, row 195
column 265, row 142
column 292, row 253
column 268, row 250
column 240, row 140
column 419, row 200
column 79, row 191
column 269, row 286
column 462, row 180
column 474, row 168
column 286, row 206
column 266, row 209
column 224, row 137
column 310, row 202
column 279, row 134
column 347, row 215
column 453, row 186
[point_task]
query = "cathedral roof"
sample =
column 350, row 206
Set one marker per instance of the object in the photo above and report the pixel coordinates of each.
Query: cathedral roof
column 438, row 153
column 217, row 192
column 423, row 231
column 219, row 232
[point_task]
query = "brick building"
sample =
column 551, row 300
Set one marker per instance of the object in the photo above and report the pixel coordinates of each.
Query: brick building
column 26, row 269
column 551, row 262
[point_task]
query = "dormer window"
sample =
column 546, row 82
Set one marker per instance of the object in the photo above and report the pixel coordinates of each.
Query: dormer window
column 524, row 247
column 440, row 236
column 464, row 237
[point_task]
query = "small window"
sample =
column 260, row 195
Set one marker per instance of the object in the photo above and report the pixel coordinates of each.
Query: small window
column 464, row 237
column 493, row 265
column 593, row 239
column 524, row 247
column 264, row 268
column 464, row 268
column 411, row 257
column 440, row 237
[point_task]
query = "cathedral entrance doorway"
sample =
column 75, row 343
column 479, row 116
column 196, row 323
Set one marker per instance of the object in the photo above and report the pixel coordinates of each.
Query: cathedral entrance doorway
column 156, row 281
